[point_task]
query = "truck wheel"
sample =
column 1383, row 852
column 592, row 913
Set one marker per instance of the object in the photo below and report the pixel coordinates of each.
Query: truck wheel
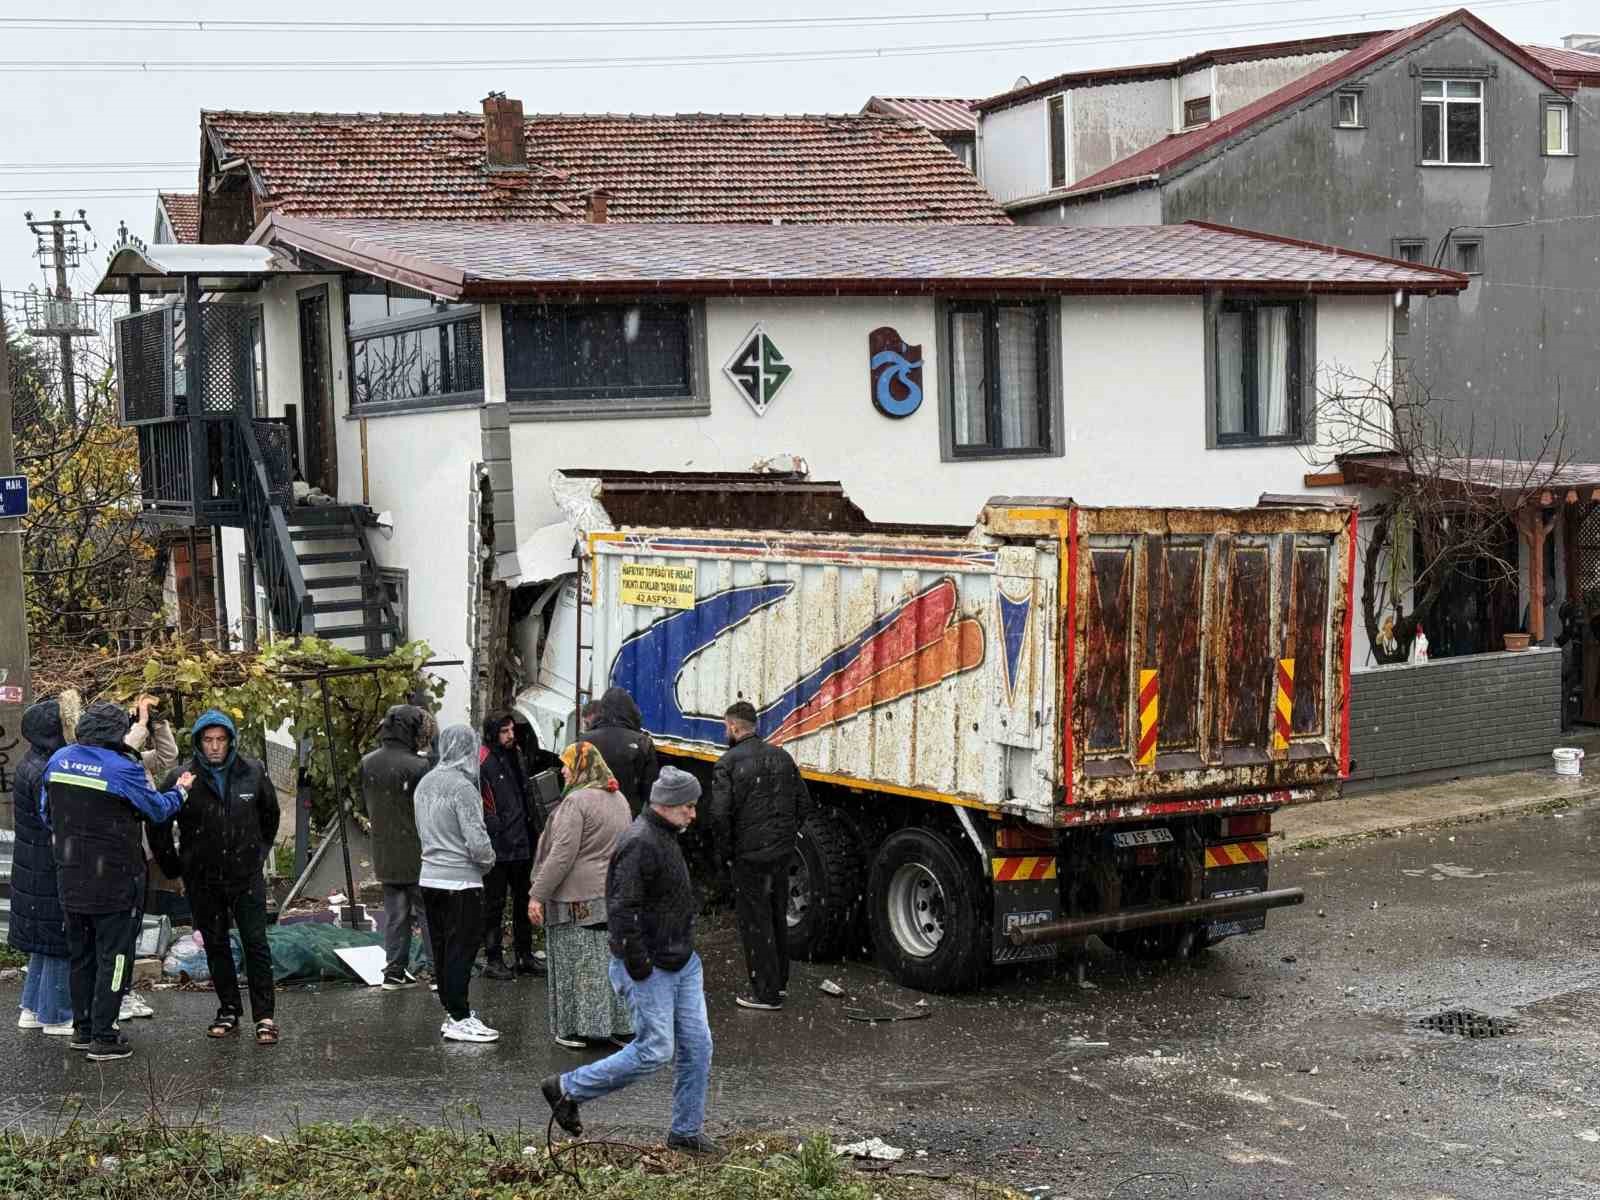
column 1159, row 942
column 826, row 875
column 927, row 913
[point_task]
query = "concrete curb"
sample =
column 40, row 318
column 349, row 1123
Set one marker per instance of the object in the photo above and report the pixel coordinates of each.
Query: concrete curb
column 1346, row 823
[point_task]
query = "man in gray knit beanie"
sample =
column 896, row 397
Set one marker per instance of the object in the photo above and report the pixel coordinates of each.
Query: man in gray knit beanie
column 650, row 910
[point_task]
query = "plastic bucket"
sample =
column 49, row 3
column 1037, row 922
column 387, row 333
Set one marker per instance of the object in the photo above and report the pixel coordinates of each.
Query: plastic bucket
column 1568, row 761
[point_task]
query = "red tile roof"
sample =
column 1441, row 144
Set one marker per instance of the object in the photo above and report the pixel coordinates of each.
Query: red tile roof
column 183, row 214
column 1174, row 67
column 1575, row 66
column 686, row 168
column 1153, row 161
column 490, row 260
column 931, row 112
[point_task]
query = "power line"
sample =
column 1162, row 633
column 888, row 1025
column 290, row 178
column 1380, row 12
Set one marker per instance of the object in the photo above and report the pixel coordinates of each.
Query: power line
column 624, row 25
column 234, row 66
column 80, row 168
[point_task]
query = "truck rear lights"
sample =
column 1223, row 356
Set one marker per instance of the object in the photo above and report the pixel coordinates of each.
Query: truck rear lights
column 1256, row 824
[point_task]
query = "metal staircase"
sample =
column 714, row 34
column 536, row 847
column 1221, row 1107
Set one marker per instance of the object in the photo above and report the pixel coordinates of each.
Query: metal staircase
column 346, row 599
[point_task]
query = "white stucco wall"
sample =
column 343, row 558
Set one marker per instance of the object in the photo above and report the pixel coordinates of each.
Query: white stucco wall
column 1115, row 120
column 1141, row 206
column 1238, row 84
column 1014, row 150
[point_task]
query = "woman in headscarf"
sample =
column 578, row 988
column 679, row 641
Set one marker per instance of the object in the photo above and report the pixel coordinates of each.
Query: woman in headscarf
column 568, row 899
column 456, row 855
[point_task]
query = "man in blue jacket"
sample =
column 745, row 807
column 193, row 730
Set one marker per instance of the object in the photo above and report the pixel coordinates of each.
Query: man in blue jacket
column 95, row 800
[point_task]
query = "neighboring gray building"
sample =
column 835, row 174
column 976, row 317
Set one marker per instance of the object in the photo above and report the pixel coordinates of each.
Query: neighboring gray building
column 1442, row 142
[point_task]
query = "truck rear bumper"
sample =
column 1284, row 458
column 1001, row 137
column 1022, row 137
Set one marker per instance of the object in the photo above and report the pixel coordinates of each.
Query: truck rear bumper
column 1191, row 806
column 1072, row 928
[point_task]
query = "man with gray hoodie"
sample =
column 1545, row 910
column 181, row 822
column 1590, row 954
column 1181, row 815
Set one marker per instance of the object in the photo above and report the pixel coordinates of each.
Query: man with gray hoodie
column 456, row 855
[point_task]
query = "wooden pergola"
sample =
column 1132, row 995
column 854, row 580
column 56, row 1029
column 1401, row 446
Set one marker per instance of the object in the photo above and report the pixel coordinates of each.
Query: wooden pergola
column 1531, row 492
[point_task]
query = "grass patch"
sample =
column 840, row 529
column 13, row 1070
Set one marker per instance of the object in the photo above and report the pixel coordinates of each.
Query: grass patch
column 149, row 1157
column 12, row 958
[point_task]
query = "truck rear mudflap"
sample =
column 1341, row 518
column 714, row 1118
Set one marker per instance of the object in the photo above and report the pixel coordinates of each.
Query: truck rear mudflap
column 1216, row 910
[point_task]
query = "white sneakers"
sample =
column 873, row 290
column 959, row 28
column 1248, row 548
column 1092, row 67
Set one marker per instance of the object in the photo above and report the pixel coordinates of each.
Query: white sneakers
column 470, row 1030
column 28, row 1019
column 133, row 1007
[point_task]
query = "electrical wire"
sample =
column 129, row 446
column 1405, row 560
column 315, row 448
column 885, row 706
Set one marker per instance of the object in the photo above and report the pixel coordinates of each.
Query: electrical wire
column 755, row 56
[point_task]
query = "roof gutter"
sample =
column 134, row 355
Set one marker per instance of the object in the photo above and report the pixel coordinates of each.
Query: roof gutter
column 407, row 269
column 1098, row 191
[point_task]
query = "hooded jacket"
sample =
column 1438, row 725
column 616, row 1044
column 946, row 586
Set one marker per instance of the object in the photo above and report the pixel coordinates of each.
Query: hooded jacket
column 389, row 778
column 37, row 923
column 503, row 779
column 627, row 749
column 650, row 903
column 449, row 811
column 96, row 801
column 228, row 825
column 758, row 802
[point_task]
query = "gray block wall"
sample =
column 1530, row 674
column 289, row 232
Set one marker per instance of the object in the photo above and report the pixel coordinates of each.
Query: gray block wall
column 1462, row 714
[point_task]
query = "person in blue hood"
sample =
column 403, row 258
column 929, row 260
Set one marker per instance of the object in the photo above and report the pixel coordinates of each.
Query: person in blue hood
column 225, row 833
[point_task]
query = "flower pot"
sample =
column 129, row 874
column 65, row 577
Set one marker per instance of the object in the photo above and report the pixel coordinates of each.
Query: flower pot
column 1517, row 641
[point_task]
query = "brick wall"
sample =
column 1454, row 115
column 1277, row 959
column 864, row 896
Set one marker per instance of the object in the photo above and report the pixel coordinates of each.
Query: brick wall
column 1471, row 713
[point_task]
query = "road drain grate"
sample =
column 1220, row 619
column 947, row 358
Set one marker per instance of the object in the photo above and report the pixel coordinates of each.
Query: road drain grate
column 1463, row 1022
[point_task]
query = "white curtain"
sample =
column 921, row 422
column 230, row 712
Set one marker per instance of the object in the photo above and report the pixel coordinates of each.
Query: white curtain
column 1019, row 378
column 1230, row 373
column 1272, row 370
column 966, row 376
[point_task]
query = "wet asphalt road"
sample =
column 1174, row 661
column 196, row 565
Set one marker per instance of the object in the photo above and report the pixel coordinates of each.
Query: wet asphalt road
column 1284, row 1064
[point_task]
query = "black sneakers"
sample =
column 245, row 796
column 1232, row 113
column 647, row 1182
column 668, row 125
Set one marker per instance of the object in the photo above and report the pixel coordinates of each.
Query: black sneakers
column 111, row 1051
column 400, row 982
column 565, row 1109
column 81, row 1041
column 527, row 964
column 758, row 1005
column 694, row 1143
column 495, row 969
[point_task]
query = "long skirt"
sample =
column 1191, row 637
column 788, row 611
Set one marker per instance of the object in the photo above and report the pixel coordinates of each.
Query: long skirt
column 45, row 993
column 581, row 1001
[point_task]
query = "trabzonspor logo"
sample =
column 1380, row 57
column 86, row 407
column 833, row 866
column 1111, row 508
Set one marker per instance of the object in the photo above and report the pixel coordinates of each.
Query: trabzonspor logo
column 896, row 373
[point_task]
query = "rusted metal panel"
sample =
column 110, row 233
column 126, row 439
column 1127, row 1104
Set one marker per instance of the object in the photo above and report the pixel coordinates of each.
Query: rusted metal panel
column 1105, row 664
column 1311, row 639
column 1244, row 636
column 1177, row 573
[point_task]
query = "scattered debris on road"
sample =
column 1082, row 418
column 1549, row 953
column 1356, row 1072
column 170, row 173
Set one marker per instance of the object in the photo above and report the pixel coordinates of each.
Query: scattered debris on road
column 875, row 1149
column 830, row 987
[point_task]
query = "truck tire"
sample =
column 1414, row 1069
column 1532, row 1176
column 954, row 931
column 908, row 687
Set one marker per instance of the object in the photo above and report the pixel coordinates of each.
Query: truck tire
column 826, row 877
column 928, row 923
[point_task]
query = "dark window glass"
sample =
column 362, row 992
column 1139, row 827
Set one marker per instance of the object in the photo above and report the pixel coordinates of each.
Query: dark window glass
column 1058, row 142
column 1465, row 130
column 597, row 351
column 1350, row 109
column 1258, row 372
column 1196, row 111
column 1469, row 257
column 1452, row 121
column 1410, row 250
column 418, row 364
column 999, row 377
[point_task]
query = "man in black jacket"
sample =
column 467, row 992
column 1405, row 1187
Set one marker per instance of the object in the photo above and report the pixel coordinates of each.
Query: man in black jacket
column 508, row 813
column 626, row 747
column 650, row 910
column 38, row 928
column 389, row 778
column 225, row 832
column 758, row 803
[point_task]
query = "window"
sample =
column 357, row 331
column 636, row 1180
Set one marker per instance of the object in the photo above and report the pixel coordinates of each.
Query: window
column 1557, row 127
column 258, row 362
column 419, row 361
column 1196, row 111
column 1000, row 394
column 374, row 300
column 1058, row 141
column 1412, row 250
column 1259, row 348
column 1347, row 110
column 629, row 357
column 395, row 585
column 1468, row 255
column 1452, row 122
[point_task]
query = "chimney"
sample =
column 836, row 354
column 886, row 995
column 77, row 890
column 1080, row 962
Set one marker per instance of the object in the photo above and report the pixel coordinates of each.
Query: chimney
column 594, row 206
column 504, row 138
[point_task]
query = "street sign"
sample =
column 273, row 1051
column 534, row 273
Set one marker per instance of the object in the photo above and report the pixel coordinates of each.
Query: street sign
column 13, row 495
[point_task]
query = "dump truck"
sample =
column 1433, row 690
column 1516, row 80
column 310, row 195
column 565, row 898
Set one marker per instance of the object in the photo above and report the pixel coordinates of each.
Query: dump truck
column 1060, row 721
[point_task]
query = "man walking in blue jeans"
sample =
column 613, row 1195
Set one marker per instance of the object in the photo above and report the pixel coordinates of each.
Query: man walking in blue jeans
column 650, row 910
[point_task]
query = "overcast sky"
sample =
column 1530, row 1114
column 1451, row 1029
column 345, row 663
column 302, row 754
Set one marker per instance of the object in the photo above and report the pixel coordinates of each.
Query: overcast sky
column 98, row 119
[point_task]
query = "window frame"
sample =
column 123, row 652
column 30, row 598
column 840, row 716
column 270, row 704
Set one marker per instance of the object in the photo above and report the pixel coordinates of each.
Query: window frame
column 1056, row 140
column 1357, row 94
column 1398, row 245
column 697, row 403
column 1050, row 399
column 1305, row 346
column 1445, row 76
column 257, row 324
column 1552, row 100
column 1456, row 243
column 440, row 318
column 1183, row 111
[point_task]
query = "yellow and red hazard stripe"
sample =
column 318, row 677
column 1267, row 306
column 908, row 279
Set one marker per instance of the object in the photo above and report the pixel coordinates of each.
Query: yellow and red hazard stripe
column 1283, row 706
column 1236, row 854
column 1024, row 868
column 1149, row 717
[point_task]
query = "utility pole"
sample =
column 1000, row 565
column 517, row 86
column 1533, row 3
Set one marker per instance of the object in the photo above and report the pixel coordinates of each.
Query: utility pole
column 14, row 692
column 60, row 247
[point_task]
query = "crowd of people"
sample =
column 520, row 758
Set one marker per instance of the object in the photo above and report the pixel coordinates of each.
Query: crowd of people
column 583, row 844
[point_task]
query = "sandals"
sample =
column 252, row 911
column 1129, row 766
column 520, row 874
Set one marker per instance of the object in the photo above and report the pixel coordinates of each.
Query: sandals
column 266, row 1032
column 224, row 1025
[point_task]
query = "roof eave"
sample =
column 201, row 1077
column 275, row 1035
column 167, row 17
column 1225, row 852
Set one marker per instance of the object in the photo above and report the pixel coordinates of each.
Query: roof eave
column 1099, row 191
column 407, row 269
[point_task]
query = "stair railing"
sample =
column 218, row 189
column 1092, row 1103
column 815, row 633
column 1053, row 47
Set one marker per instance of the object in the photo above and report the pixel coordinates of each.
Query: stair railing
column 267, row 527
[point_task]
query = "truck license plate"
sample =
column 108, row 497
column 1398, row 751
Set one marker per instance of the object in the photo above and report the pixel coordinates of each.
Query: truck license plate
column 1141, row 837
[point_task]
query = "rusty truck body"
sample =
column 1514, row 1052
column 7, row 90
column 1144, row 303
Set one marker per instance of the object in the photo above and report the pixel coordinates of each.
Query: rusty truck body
column 1059, row 721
